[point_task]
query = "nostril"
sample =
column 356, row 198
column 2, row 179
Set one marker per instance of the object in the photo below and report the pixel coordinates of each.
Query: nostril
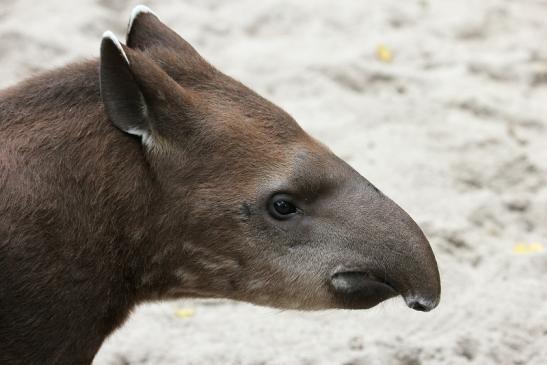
column 421, row 305
column 418, row 306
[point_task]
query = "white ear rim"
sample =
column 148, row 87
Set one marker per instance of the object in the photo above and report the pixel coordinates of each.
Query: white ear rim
column 138, row 10
column 110, row 35
column 136, row 132
column 145, row 136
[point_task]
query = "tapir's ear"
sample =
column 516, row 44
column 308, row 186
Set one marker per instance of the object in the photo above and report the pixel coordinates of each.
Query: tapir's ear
column 121, row 95
column 137, row 94
column 145, row 30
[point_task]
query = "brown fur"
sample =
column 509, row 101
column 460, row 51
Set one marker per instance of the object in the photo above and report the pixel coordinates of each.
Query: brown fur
column 93, row 222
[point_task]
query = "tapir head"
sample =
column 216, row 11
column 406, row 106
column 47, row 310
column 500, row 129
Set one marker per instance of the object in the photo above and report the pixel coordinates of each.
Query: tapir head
column 249, row 206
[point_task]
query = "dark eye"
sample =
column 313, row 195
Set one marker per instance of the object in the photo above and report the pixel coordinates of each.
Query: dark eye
column 281, row 207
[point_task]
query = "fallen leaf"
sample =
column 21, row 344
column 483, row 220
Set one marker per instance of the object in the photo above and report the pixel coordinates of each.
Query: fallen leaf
column 184, row 312
column 528, row 247
column 383, row 53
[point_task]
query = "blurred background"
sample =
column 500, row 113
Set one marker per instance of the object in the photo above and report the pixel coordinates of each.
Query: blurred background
column 441, row 104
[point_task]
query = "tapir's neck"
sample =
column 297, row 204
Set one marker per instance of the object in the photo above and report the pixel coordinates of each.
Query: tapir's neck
column 93, row 206
column 66, row 89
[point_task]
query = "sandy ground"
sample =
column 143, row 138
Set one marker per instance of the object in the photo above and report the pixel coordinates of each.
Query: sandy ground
column 454, row 129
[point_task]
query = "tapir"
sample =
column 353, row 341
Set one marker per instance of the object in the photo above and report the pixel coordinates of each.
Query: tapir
column 147, row 174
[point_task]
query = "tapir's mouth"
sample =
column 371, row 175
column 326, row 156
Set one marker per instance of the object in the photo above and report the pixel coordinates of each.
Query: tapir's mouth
column 360, row 289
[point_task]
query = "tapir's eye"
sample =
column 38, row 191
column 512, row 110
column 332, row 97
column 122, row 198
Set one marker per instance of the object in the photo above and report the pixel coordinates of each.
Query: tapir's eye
column 281, row 207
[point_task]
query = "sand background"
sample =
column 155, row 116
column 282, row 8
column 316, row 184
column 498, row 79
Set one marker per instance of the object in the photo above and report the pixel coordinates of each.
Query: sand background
column 454, row 129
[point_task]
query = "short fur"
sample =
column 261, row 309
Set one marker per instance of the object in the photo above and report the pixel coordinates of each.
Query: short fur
column 94, row 222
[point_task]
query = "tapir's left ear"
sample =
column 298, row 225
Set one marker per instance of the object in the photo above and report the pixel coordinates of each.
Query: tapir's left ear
column 138, row 96
column 145, row 30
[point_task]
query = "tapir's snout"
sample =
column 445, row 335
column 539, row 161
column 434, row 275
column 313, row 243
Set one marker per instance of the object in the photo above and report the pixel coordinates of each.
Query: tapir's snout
column 362, row 284
column 389, row 256
column 414, row 276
